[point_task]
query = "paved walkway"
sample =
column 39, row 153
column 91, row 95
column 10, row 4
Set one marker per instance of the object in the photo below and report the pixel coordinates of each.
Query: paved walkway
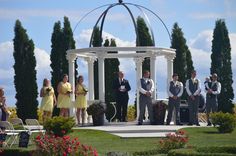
column 131, row 130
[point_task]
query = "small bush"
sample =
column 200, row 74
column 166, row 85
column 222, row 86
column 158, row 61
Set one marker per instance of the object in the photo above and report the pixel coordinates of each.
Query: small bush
column 225, row 122
column 131, row 113
column 96, row 108
column 173, row 141
column 59, row 126
column 50, row 145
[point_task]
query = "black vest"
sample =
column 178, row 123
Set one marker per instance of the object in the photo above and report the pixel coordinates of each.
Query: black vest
column 213, row 87
column 193, row 86
column 174, row 89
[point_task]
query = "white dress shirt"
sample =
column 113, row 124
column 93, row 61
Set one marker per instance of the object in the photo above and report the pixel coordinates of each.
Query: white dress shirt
column 143, row 91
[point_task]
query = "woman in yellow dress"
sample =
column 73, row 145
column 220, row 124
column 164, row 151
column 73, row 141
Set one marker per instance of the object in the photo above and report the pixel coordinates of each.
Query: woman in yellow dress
column 63, row 101
column 48, row 99
column 80, row 102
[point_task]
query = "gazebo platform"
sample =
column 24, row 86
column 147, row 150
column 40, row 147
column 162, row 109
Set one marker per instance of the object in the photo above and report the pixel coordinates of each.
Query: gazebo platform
column 131, row 130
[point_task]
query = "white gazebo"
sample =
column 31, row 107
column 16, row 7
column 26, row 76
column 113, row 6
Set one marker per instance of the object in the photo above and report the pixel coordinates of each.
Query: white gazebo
column 100, row 53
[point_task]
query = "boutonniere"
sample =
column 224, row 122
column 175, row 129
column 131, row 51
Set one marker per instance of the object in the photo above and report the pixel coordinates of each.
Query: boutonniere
column 177, row 83
column 195, row 81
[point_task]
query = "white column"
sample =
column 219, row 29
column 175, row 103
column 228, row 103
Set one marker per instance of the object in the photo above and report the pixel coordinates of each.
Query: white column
column 138, row 64
column 101, row 79
column 71, row 60
column 153, row 74
column 90, row 62
column 169, row 59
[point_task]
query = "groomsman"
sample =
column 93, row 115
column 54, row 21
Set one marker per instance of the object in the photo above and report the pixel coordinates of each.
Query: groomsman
column 213, row 90
column 121, row 87
column 175, row 91
column 146, row 88
column 193, row 90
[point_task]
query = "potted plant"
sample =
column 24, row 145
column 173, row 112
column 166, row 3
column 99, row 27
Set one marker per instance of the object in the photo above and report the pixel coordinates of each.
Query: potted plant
column 97, row 110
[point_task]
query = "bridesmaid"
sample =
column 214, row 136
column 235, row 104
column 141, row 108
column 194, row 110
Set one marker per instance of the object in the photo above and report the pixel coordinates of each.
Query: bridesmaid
column 63, row 102
column 48, row 99
column 80, row 102
column 3, row 108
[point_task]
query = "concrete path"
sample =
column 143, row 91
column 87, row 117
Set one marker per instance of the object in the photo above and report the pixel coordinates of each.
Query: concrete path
column 131, row 130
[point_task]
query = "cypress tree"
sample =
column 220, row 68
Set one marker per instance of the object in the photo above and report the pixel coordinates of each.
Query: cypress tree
column 183, row 64
column 96, row 42
column 56, row 55
column 25, row 74
column 68, row 43
column 145, row 39
column 111, row 70
column 56, row 59
column 221, row 64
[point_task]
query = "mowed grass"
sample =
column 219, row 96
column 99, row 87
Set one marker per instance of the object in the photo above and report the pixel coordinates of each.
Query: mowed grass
column 105, row 142
column 209, row 136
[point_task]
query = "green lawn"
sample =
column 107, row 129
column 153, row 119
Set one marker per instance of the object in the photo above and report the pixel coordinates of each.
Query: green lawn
column 105, row 142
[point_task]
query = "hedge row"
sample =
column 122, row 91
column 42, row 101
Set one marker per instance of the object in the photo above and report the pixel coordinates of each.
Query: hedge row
column 16, row 152
column 205, row 151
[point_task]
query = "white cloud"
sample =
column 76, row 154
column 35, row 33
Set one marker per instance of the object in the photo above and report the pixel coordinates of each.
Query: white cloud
column 202, row 41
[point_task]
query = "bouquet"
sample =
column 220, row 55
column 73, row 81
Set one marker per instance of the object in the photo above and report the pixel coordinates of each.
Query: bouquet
column 48, row 90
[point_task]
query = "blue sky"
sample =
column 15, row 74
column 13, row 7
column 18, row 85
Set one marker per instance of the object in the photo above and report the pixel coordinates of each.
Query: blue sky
column 195, row 17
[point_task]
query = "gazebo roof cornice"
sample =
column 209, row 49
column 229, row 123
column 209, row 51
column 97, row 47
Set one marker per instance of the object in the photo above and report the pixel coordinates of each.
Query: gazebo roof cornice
column 127, row 52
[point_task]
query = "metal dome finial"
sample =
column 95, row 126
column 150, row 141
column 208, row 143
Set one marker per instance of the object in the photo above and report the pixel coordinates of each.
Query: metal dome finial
column 120, row 1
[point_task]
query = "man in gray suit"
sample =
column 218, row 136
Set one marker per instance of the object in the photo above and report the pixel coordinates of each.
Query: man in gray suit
column 146, row 88
column 193, row 90
column 175, row 91
column 213, row 89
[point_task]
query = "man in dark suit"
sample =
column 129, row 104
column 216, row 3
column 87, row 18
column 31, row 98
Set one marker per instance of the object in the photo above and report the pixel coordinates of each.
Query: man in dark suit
column 121, row 87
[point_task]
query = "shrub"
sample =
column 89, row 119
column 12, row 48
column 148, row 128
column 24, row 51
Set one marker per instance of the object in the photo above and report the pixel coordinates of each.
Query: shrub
column 173, row 141
column 13, row 114
column 225, row 122
column 205, row 151
column 58, row 125
column 117, row 154
column 131, row 113
column 51, row 145
column 146, row 153
column 16, row 152
column 97, row 108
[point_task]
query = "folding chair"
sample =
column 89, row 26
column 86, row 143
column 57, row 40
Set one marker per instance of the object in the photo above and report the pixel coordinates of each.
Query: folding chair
column 17, row 123
column 12, row 134
column 33, row 126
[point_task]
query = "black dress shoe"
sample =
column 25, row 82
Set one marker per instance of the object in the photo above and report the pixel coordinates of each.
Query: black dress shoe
column 190, row 124
column 197, row 124
column 167, row 123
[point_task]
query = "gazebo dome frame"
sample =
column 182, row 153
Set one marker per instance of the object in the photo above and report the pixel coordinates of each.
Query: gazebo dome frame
column 92, row 54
